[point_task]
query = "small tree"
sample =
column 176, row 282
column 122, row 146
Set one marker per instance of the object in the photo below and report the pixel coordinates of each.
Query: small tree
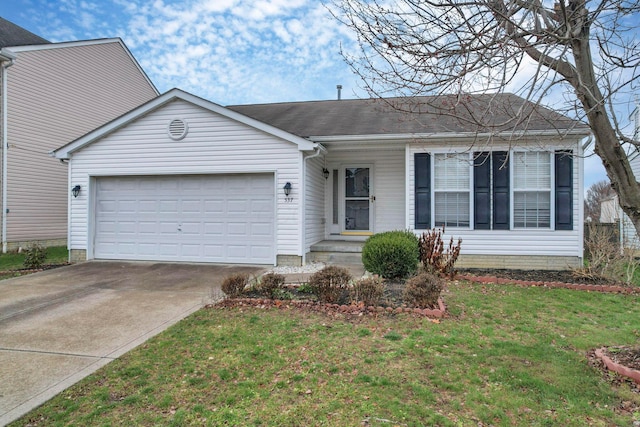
column 596, row 194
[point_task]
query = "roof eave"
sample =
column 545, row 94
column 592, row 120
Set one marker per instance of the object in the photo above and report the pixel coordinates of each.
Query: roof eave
column 580, row 133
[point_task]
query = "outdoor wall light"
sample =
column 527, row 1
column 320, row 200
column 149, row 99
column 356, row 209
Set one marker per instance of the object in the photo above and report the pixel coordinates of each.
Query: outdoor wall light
column 287, row 189
column 75, row 191
column 325, row 172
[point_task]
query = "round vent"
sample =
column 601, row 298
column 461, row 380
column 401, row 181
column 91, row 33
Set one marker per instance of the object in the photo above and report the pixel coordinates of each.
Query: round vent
column 178, row 129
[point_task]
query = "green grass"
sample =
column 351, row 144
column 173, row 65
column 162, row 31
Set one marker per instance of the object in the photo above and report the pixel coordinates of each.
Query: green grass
column 508, row 356
column 15, row 260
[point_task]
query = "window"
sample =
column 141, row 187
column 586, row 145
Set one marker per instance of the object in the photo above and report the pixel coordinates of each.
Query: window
column 452, row 190
column 532, row 189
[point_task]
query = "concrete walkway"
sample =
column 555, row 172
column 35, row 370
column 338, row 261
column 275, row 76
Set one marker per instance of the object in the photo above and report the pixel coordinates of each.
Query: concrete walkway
column 58, row 326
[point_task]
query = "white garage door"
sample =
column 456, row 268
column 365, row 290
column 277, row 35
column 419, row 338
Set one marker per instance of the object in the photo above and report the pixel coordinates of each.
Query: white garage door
column 199, row 218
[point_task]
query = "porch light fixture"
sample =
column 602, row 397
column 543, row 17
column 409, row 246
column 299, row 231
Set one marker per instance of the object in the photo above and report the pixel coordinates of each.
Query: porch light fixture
column 325, row 172
column 75, row 191
column 287, row 189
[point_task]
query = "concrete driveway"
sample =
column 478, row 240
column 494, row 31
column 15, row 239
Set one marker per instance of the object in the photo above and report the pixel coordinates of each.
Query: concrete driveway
column 58, row 326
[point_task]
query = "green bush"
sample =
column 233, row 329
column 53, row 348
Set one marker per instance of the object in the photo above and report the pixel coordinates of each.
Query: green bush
column 368, row 290
column 330, row 283
column 234, row 285
column 270, row 284
column 423, row 290
column 392, row 254
column 35, row 256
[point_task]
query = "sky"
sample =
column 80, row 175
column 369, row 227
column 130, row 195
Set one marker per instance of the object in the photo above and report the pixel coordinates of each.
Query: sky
column 227, row 51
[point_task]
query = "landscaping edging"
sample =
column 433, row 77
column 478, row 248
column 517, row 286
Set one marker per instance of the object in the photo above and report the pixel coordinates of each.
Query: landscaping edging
column 616, row 367
column 353, row 309
column 576, row 286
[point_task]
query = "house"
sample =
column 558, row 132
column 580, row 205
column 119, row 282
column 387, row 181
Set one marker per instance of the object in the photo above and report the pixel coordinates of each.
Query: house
column 52, row 93
column 181, row 178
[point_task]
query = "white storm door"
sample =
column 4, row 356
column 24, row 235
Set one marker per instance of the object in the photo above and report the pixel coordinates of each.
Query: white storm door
column 358, row 198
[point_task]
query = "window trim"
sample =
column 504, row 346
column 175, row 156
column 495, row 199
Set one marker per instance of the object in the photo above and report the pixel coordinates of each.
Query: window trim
column 512, row 174
column 470, row 189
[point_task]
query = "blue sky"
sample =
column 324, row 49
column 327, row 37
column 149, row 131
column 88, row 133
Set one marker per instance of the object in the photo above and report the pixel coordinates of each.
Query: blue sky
column 227, row 51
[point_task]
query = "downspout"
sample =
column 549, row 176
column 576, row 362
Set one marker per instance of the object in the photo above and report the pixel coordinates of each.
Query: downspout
column 319, row 149
column 7, row 59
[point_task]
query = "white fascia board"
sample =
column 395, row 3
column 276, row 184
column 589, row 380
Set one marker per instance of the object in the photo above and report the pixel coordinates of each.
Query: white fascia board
column 66, row 151
column 302, row 143
column 7, row 54
column 49, row 46
column 445, row 135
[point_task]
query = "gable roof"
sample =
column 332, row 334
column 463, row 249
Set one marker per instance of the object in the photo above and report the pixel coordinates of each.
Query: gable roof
column 320, row 120
column 67, row 150
column 14, row 35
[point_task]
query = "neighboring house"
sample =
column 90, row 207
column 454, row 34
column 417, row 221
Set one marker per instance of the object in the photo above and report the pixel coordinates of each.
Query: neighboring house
column 53, row 93
column 184, row 179
column 611, row 213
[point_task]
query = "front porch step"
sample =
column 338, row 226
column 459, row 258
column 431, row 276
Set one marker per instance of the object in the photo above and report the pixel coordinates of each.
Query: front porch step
column 336, row 252
column 335, row 257
column 337, row 246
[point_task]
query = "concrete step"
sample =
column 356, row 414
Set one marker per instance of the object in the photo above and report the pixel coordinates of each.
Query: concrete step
column 329, row 257
column 337, row 246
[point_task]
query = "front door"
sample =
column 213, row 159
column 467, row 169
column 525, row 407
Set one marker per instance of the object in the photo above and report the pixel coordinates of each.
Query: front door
column 358, row 196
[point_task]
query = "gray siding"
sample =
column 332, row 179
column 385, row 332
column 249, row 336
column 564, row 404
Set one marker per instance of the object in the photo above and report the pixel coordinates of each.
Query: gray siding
column 56, row 95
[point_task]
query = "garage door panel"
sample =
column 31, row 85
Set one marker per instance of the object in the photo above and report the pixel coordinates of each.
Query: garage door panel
column 208, row 218
column 168, row 207
column 213, row 229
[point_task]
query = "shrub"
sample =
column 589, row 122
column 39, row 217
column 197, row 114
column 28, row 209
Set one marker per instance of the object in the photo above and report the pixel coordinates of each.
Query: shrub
column 392, row 254
column 606, row 261
column 330, row 283
column 368, row 290
column 434, row 257
column 423, row 290
column 270, row 284
column 35, row 256
column 234, row 285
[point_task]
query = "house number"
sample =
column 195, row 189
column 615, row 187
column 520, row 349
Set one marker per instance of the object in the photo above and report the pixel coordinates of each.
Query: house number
column 288, row 199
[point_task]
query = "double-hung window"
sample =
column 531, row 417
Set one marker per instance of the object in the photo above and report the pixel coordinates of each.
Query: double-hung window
column 452, row 185
column 531, row 189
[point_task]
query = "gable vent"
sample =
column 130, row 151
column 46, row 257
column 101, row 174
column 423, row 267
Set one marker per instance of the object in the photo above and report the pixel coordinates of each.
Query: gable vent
column 178, row 129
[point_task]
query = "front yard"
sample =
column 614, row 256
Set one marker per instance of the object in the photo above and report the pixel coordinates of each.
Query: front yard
column 508, row 355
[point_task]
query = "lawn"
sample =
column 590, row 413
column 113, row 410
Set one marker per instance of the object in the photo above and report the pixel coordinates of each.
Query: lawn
column 12, row 262
column 508, row 356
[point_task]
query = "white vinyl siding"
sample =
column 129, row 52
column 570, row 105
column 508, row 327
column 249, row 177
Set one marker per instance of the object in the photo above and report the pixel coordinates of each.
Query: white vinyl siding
column 214, row 145
column 56, row 95
column 388, row 178
column 534, row 241
column 452, row 195
column 314, row 202
column 531, row 189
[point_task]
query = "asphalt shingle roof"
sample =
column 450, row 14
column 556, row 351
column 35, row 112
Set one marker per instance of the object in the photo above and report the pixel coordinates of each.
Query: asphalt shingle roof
column 14, row 35
column 377, row 117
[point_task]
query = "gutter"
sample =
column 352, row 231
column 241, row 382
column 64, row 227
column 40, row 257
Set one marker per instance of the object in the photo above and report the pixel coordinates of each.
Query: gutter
column 441, row 135
column 320, row 150
column 7, row 58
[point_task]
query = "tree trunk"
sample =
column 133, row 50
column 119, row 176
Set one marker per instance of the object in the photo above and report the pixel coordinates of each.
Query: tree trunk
column 607, row 144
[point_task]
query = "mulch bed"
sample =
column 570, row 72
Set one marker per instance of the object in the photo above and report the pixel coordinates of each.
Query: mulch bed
column 547, row 278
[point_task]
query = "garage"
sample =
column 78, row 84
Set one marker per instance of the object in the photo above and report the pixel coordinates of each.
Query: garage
column 226, row 218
